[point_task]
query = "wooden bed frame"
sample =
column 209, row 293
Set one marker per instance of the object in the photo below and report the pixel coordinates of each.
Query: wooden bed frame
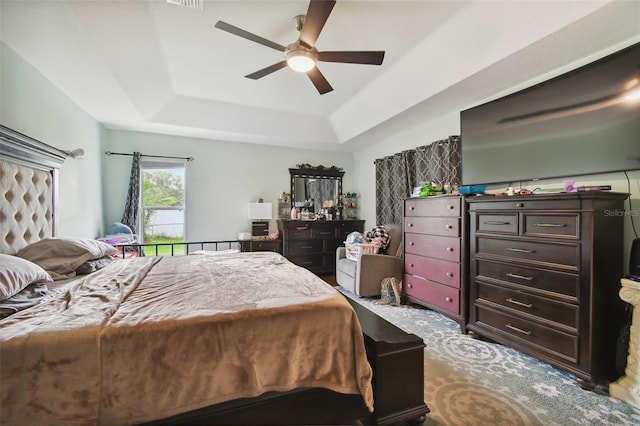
column 303, row 406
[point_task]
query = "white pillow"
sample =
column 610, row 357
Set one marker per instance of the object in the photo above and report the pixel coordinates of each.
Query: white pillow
column 17, row 273
column 60, row 257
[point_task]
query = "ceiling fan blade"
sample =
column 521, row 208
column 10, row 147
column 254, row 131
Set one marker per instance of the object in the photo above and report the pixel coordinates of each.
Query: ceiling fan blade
column 266, row 71
column 249, row 36
column 319, row 81
column 362, row 57
column 317, row 15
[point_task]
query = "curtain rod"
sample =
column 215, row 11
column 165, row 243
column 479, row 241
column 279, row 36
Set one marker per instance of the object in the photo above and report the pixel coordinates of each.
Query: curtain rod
column 146, row 155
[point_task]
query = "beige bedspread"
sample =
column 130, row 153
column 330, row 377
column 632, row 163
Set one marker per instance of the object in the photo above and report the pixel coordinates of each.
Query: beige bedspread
column 151, row 337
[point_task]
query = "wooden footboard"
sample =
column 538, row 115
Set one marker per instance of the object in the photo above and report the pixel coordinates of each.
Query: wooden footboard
column 397, row 360
column 300, row 407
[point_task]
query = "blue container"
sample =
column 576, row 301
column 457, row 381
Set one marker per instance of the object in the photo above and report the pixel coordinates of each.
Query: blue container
column 472, row 189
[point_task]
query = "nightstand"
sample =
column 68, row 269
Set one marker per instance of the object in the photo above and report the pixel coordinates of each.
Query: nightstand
column 260, row 245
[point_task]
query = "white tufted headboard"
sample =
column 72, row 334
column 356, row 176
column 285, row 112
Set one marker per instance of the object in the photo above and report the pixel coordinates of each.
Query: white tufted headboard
column 28, row 171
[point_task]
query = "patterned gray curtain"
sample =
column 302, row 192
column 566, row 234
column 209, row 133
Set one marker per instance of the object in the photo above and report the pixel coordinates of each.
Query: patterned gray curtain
column 131, row 208
column 396, row 175
column 393, row 177
column 439, row 162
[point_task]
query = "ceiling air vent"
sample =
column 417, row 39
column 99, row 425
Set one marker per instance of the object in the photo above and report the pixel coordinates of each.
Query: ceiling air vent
column 194, row 4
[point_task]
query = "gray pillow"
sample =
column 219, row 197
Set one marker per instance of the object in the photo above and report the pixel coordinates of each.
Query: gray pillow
column 94, row 265
column 60, row 257
column 17, row 273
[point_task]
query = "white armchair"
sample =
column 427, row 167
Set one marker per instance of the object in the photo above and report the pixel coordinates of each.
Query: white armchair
column 365, row 276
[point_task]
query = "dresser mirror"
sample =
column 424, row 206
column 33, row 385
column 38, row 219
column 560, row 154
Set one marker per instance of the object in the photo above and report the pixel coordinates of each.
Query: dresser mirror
column 312, row 186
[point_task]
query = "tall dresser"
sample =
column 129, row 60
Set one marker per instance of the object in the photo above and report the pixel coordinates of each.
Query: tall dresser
column 435, row 261
column 313, row 244
column 544, row 277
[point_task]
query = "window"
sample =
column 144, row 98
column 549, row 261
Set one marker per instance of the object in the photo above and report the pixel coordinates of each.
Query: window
column 163, row 204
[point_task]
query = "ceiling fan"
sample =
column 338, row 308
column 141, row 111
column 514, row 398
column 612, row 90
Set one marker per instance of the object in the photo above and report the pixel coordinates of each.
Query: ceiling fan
column 302, row 55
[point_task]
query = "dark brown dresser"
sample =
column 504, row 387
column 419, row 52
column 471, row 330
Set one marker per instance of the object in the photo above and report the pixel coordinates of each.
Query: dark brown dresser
column 435, row 261
column 544, row 277
column 313, row 244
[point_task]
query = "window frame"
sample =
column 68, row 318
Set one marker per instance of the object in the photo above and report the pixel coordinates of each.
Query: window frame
column 162, row 164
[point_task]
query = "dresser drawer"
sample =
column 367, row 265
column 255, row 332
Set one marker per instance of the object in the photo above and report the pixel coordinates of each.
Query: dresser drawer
column 497, row 223
column 295, row 248
column 309, row 261
column 565, row 256
column 517, row 203
column 437, row 294
column 447, row 226
column 324, row 232
column 433, row 206
column 538, row 225
column 545, row 282
column 297, row 232
column 562, row 314
column 441, row 271
column 445, row 248
column 545, row 339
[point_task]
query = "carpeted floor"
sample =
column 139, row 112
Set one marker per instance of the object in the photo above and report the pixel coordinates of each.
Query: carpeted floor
column 474, row 382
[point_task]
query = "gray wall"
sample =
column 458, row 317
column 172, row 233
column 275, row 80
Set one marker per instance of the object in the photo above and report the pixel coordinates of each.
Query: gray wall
column 31, row 105
column 220, row 182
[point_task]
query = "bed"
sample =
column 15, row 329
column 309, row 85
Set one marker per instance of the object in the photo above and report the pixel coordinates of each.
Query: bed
column 245, row 338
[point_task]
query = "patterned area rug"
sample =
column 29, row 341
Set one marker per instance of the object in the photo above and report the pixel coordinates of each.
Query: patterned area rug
column 475, row 382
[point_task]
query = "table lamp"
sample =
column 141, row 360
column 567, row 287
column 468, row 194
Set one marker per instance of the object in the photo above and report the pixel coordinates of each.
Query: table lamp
column 260, row 214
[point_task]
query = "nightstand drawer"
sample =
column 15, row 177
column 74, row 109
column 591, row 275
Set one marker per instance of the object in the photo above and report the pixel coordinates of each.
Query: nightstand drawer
column 544, row 338
column 497, row 223
column 562, row 314
column 440, row 295
column 433, row 206
column 441, row 271
column 446, row 226
column 445, row 248
column 261, row 245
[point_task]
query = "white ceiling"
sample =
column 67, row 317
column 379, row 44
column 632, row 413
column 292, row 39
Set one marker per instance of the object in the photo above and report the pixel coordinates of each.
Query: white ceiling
column 151, row 66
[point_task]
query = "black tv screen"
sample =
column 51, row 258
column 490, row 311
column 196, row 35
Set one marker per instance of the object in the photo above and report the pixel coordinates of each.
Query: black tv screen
column 586, row 121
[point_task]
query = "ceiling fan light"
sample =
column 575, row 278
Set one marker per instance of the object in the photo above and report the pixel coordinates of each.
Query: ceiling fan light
column 300, row 60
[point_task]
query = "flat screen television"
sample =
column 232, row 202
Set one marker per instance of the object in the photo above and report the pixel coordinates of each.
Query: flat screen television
column 586, row 121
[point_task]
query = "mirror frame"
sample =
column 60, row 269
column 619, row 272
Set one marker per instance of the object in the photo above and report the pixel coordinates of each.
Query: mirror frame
column 319, row 172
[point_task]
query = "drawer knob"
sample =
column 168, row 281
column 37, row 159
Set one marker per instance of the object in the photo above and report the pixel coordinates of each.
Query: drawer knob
column 450, row 274
column 448, row 227
column 411, row 225
column 516, row 302
column 519, row 330
column 451, row 207
column 519, row 204
column 411, row 265
column 410, row 285
column 411, row 243
column 449, row 249
column 448, row 299
column 412, row 208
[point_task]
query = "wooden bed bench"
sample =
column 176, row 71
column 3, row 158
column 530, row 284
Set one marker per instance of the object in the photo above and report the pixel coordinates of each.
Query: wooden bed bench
column 397, row 360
